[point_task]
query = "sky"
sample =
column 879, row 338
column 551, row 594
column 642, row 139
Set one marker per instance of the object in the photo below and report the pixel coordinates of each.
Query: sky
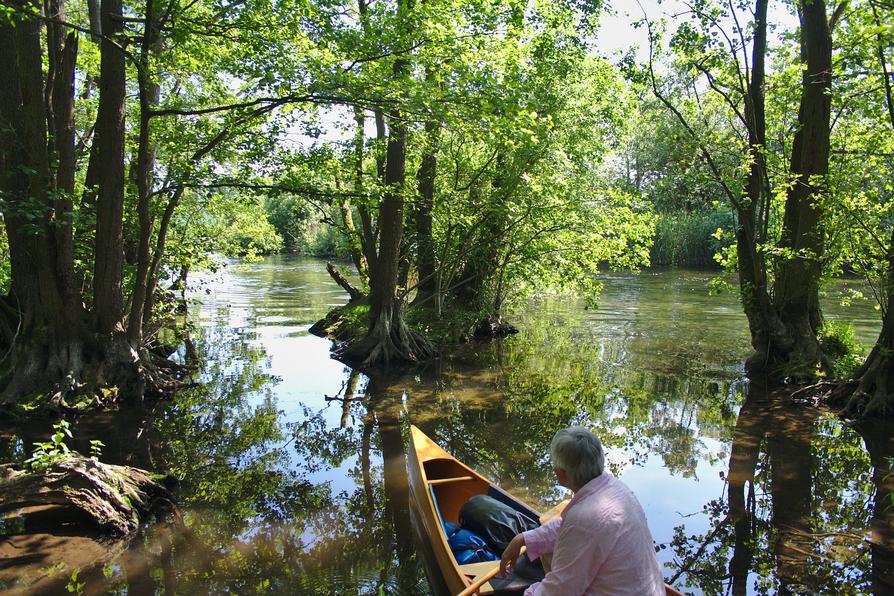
column 617, row 33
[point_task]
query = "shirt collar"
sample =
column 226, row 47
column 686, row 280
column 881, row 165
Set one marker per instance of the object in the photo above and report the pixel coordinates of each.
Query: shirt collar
column 593, row 486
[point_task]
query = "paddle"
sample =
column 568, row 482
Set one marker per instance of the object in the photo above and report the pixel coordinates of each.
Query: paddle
column 476, row 585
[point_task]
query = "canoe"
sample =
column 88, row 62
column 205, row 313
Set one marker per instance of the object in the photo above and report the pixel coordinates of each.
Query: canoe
column 439, row 486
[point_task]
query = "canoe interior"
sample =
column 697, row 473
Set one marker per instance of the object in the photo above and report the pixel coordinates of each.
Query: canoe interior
column 441, row 485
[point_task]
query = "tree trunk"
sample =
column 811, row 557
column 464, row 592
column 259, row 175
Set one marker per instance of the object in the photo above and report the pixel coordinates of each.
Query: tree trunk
column 62, row 51
column 149, row 94
column 109, row 256
column 354, row 239
column 427, row 286
column 48, row 341
column 340, row 279
column 160, row 241
column 766, row 329
column 389, row 339
column 796, row 291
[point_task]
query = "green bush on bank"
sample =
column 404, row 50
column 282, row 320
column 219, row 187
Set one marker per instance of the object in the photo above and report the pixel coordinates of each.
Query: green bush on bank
column 688, row 239
column 840, row 344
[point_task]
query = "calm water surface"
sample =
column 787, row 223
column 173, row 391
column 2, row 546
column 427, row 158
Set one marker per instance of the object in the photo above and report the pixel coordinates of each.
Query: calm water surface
column 292, row 466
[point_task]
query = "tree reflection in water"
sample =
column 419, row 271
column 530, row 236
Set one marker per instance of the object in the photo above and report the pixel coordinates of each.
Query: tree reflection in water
column 797, row 508
column 261, row 513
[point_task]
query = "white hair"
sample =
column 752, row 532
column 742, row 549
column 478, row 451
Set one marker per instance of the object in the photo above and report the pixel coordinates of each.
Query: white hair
column 579, row 452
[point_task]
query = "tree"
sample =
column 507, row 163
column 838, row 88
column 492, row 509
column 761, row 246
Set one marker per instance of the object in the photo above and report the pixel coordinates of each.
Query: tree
column 778, row 281
column 80, row 316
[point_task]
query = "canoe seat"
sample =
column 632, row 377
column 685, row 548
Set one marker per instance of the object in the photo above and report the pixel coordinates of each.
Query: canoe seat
column 446, row 480
column 436, row 469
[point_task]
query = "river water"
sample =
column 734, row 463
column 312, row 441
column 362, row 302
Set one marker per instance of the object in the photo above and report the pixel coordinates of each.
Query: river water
column 292, row 466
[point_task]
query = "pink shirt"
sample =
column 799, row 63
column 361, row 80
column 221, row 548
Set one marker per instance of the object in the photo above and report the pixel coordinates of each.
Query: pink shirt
column 601, row 545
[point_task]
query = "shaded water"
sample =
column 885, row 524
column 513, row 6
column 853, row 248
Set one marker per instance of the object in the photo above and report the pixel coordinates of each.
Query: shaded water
column 292, row 466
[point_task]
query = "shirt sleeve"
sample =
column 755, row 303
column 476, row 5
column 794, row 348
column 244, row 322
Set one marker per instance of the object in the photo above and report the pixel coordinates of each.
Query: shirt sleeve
column 542, row 540
column 576, row 561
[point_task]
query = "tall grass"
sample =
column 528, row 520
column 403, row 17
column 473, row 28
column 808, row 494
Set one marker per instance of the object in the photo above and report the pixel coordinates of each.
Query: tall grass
column 689, row 238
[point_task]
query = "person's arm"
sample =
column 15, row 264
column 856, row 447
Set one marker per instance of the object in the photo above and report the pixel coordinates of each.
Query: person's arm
column 576, row 561
column 542, row 540
column 538, row 542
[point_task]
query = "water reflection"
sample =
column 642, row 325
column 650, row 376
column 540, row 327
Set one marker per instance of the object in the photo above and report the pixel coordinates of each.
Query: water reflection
column 292, row 467
column 800, row 500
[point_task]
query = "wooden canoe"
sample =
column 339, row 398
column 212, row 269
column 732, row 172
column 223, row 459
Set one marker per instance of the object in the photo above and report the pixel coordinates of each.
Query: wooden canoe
column 439, row 486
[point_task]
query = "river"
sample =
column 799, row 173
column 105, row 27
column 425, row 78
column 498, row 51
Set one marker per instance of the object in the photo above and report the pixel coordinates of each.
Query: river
column 292, row 470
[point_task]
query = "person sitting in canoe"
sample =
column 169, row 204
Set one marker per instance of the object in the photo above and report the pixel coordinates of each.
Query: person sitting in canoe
column 601, row 544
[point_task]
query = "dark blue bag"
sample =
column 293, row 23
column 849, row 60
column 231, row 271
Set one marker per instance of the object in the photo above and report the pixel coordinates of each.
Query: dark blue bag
column 451, row 528
column 474, row 556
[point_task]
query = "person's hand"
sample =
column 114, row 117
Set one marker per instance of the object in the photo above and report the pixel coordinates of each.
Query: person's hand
column 512, row 552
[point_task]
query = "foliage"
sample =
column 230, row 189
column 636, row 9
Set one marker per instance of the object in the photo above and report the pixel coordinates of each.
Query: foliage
column 838, row 342
column 689, row 238
column 47, row 453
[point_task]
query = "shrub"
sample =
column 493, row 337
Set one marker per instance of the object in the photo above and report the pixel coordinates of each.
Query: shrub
column 841, row 346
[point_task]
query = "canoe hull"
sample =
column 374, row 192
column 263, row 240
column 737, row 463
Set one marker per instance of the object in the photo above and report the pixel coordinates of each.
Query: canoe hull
column 428, row 462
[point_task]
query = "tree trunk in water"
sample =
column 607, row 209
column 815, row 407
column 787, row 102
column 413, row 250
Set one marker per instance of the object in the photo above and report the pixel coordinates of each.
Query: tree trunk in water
column 389, row 338
column 796, row 291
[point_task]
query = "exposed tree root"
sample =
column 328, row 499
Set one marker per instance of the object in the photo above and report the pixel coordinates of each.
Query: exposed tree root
column 494, row 328
column 869, row 394
column 117, row 498
column 95, row 380
column 389, row 341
